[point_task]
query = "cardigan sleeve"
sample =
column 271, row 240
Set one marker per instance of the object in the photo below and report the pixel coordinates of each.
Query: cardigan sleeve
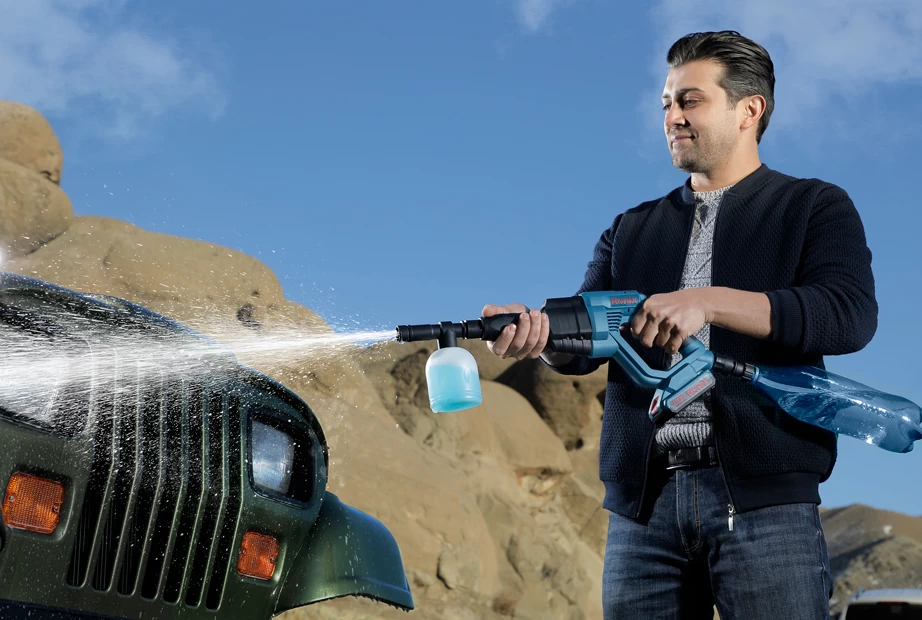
column 832, row 309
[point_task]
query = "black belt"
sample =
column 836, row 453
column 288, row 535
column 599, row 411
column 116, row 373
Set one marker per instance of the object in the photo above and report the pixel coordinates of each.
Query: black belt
column 689, row 458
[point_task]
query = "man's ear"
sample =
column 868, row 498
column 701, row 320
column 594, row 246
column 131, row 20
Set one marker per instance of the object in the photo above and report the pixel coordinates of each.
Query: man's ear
column 752, row 109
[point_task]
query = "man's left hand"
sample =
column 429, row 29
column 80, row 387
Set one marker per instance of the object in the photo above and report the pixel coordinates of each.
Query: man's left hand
column 667, row 319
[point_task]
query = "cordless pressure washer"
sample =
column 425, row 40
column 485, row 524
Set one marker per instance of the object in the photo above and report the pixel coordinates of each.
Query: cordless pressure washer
column 589, row 325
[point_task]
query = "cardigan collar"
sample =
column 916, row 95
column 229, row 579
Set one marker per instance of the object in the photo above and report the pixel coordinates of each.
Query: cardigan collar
column 744, row 186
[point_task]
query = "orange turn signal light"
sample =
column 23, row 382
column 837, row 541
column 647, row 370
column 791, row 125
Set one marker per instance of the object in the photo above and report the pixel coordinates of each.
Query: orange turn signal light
column 258, row 553
column 32, row 503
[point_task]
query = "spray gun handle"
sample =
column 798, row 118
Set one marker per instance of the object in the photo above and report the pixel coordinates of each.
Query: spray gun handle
column 492, row 326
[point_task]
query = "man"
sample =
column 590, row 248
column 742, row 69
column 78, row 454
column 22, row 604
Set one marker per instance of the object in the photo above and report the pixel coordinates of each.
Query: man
column 719, row 505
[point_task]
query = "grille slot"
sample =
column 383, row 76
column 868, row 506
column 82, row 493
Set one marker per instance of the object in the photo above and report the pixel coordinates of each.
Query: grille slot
column 151, row 437
column 187, row 508
column 214, row 500
column 124, row 439
column 172, row 467
column 229, row 516
column 85, row 539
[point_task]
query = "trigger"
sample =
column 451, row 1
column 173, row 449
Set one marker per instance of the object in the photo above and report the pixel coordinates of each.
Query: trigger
column 656, row 404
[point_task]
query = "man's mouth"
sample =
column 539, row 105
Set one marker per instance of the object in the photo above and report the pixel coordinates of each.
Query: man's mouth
column 680, row 139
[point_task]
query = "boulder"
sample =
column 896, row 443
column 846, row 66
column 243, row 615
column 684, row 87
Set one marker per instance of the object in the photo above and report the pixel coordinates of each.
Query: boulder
column 506, row 426
column 206, row 285
column 27, row 139
column 33, row 210
column 399, row 372
column 565, row 402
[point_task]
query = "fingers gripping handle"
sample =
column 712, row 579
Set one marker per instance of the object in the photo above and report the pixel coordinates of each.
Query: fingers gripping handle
column 492, row 326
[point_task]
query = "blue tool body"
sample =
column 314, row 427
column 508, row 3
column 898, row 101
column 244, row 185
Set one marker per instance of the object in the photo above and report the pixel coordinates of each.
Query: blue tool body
column 688, row 379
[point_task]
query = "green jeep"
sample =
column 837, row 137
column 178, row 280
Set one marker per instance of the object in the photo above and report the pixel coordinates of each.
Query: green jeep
column 148, row 474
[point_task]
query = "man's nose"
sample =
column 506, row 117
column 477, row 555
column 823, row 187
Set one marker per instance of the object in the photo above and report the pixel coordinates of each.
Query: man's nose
column 674, row 116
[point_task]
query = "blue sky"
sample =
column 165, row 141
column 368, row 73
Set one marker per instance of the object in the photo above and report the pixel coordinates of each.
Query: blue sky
column 409, row 162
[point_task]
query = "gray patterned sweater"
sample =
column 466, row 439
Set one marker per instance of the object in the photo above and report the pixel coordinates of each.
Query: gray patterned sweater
column 692, row 426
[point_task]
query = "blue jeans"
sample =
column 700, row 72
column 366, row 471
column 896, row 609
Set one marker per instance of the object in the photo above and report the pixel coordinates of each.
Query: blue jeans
column 681, row 558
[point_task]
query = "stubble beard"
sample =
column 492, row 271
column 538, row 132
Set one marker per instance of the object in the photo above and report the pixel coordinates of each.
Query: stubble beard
column 698, row 157
column 686, row 161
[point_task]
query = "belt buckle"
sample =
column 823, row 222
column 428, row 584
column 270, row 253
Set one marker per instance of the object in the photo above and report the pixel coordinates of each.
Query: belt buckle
column 689, row 457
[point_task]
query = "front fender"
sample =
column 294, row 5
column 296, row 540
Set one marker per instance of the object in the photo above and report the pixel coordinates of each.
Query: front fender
column 347, row 552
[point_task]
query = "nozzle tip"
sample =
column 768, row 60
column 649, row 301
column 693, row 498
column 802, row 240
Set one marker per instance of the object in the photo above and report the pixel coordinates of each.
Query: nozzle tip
column 413, row 333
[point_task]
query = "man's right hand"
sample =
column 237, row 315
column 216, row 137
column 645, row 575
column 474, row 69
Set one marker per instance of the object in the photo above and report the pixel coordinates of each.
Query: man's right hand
column 526, row 339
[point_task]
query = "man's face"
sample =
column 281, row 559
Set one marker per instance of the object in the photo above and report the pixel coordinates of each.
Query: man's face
column 702, row 130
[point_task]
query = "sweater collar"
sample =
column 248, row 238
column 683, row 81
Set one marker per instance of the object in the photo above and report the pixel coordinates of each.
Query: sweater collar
column 744, row 186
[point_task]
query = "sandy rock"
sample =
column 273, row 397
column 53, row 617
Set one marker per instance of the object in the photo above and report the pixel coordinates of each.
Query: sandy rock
column 583, row 506
column 506, row 425
column 399, row 374
column 33, row 210
column 563, row 401
column 404, row 390
column 27, row 139
column 505, row 520
column 876, row 525
column 159, row 266
column 459, row 568
column 582, row 493
column 102, row 255
column 75, row 258
column 594, row 565
column 539, row 578
column 420, row 579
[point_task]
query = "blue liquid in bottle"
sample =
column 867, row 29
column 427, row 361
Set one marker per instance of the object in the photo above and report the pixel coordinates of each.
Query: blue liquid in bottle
column 453, row 380
column 843, row 406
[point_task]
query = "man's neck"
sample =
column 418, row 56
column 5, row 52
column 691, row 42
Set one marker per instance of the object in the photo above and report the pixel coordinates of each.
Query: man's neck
column 733, row 171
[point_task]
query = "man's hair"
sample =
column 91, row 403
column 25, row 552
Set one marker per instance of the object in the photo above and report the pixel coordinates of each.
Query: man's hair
column 747, row 67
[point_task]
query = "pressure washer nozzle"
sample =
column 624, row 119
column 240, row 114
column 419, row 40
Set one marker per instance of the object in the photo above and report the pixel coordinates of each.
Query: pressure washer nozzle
column 447, row 333
column 414, row 333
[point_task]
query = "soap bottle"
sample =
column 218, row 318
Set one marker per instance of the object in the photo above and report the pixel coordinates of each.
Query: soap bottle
column 452, row 377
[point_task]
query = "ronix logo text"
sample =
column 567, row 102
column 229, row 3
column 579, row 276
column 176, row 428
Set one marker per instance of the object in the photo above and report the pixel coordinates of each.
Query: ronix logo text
column 618, row 301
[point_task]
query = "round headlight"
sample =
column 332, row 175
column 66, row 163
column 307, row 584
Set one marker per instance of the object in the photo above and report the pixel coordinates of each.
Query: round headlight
column 273, row 453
